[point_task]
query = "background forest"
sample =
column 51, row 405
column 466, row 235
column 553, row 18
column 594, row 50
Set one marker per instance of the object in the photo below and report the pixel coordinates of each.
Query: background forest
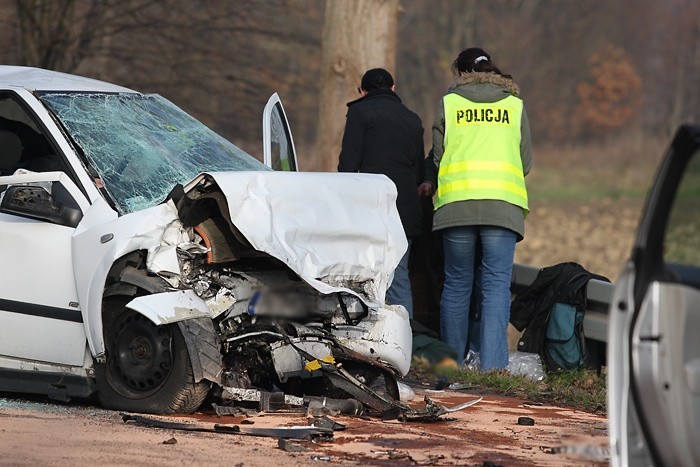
column 586, row 70
column 605, row 82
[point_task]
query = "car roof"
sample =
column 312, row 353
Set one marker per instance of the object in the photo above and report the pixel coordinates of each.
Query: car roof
column 38, row 79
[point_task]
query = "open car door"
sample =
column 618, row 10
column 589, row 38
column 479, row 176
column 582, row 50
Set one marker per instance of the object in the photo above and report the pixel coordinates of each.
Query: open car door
column 654, row 340
column 278, row 145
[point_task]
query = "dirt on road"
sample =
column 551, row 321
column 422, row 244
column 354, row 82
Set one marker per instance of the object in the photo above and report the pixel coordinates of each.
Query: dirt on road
column 488, row 433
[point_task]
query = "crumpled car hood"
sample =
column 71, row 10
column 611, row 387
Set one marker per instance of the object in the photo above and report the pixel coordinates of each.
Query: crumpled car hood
column 337, row 231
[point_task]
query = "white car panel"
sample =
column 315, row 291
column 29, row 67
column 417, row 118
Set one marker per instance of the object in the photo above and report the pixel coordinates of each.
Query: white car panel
column 171, row 307
column 84, row 369
column 663, row 367
column 141, row 230
column 41, row 276
column 32, row 338
column 48, row 80
column 307, row 221
column 381, row 335
column 36, row 259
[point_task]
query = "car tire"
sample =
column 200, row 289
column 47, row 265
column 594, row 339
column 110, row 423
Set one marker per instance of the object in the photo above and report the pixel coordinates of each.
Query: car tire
column 147, row 368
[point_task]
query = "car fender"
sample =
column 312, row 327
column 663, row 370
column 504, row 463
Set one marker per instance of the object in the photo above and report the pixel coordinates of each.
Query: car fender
column 100, row 240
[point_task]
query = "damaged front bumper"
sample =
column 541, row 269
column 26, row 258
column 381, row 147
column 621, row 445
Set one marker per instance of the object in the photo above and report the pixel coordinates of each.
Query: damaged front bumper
column 287, row 310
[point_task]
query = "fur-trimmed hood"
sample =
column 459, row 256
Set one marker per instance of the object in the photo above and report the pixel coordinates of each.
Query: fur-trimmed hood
column 506, row 85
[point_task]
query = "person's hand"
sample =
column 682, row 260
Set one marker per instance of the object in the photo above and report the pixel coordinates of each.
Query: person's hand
column 426, row 189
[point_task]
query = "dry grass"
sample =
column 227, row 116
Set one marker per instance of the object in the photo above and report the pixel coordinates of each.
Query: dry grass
column 585, row 202
column 611, row 169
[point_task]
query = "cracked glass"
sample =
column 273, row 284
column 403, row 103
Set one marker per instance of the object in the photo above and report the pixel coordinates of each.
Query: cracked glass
column 142, row 145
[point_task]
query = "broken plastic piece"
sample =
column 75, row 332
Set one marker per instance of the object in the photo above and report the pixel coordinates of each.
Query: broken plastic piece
column 231, row 410
column 288, row 446
column 458, row 386
column 320, row 406
column 316, row 365
column 326, row 423
column 267, row 401
column 463, row 405
column 433, row 411
column 406, row 393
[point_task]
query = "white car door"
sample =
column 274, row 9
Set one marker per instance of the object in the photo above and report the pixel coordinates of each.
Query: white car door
column 278, row 144
column 40, row 317
column 654, row 338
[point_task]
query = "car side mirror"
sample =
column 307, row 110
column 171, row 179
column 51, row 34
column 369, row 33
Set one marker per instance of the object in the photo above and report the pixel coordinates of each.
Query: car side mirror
column 35, row 202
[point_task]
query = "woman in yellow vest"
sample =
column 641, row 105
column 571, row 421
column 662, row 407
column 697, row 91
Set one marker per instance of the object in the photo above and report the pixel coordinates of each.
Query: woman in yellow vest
column 481, row 147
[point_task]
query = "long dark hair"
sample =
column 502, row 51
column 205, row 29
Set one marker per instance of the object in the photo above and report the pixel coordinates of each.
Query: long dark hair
column 475, row 59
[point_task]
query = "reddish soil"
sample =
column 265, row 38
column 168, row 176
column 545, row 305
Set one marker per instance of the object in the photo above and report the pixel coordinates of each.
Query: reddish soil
column 487, row 433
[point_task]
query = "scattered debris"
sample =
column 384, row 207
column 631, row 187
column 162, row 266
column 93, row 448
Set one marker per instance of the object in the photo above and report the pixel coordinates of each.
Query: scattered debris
column 433, row 411
column 321, row 458
column 442, row 383
column 394, row 454
column 526, row 421
column 326, row 423
column 463, row 405
column 234, row 410
column 320, row 406
column 267, row 401
column 460, row 386
column 533, row 404
column 170, row 441
column 583, row 450
column 280, row 402
column 288, row 446
column 295, row 432
column 406, row 393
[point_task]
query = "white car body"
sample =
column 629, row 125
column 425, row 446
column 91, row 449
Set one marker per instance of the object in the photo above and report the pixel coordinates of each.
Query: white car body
column 653, row 346
column 338, row 233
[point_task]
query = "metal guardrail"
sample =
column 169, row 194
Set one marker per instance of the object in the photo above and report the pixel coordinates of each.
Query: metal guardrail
column 598, row 294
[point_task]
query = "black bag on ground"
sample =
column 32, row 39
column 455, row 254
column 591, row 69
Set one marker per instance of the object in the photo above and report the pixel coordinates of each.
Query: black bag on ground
column 551, row 312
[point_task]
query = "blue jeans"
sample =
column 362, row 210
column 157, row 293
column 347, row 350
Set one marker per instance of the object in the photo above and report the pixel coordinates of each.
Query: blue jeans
column 495, row 270
column 399, row 292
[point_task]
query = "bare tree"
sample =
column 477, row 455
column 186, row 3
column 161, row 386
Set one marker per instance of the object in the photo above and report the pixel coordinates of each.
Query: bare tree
column 357, row 36
column 57, row 34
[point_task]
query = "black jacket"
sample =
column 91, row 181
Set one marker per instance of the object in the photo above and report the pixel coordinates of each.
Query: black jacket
column 561, row 283
column 382, row 136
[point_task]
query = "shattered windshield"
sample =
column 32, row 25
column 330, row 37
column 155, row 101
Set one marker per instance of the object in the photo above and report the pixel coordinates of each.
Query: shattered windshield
column 143, row 145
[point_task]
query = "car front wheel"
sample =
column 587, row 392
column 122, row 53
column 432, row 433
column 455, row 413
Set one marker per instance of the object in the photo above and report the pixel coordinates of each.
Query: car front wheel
column 148, row 367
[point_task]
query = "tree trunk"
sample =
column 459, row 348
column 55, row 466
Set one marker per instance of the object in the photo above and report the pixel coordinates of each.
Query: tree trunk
column 357, row 36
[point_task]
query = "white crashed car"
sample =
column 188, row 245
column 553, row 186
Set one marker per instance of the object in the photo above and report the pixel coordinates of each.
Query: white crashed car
column 144, row 257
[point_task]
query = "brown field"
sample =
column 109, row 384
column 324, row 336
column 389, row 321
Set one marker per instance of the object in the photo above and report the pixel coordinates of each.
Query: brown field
column 585, row 202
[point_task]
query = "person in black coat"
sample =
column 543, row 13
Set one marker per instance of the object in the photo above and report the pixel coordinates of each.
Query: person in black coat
column 382, row 136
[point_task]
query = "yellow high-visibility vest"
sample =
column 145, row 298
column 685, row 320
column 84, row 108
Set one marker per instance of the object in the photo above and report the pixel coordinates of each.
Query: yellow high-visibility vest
column 482, row 152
